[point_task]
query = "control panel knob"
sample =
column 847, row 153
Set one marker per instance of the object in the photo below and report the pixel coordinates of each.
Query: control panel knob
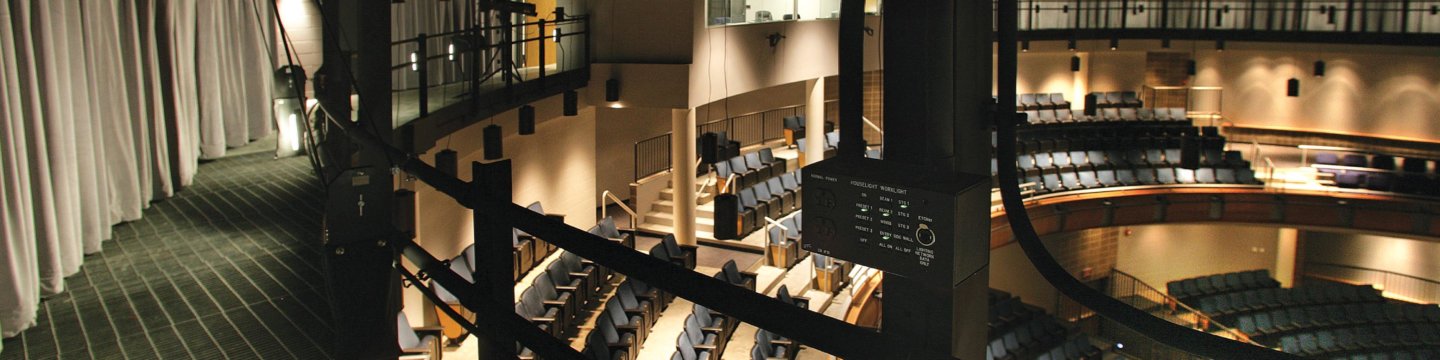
column 924, row 235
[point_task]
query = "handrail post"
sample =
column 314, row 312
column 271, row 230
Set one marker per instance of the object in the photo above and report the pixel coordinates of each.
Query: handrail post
column 541, row 60
column 422, row 70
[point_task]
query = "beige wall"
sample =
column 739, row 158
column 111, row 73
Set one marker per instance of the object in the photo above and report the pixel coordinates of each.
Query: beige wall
column 732, row 60
column 616, row 131
column 302, row 22
column 1159, row 254
column 1405, row 256
column 643, row 31
column 556, row 166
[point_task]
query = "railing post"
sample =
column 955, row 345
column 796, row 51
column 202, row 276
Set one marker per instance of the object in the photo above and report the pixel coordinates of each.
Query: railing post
column 541, row 60
column 422, row 70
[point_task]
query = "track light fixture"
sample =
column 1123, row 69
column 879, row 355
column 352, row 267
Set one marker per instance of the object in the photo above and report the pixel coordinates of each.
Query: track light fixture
column 612, row 90
column 1319, row 68
column 494, row 149
column 572, row 103
column 1114, row 43
column 527, row 120
column 1074, row 63
column 1292, row 87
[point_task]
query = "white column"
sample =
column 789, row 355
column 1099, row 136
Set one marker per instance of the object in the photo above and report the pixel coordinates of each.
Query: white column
column 1285, row 256
column 682, row 174
column 814, row 121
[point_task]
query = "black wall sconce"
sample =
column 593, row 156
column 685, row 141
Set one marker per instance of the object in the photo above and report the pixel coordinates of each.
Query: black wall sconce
column 527, row 120
column 774, row 39
column 612, row 90
column 572, row 103
column 494, row 149
column 1114, row 43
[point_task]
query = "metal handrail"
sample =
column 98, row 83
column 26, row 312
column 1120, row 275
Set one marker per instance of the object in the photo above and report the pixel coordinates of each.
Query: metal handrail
column 1199, row 315
column 872, row 125
column 729, row 183
column 603, row 213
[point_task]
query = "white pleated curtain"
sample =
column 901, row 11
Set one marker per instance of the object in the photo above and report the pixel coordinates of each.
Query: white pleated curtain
column 108, row 105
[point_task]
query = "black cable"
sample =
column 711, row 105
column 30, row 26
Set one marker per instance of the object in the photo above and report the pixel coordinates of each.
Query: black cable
column 1161, row 330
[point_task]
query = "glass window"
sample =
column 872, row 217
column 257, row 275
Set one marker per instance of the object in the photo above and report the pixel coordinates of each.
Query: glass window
column 728, row 12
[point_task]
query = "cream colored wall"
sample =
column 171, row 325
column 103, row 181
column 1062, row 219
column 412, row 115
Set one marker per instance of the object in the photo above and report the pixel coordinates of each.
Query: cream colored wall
column 616, row 131
column 1011, row 271
column 556, row 166
column 1158, row 254
column 1382, row 90
column 731, row 60
column 1405, row 256
column 302, row 22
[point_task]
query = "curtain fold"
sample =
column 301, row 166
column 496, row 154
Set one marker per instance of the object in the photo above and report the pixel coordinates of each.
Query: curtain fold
column 107, row 106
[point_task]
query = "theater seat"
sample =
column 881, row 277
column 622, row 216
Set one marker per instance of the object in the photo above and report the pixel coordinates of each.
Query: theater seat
column 731, row 273
column 416, row 342
column 1354, row 160
column 548, row 317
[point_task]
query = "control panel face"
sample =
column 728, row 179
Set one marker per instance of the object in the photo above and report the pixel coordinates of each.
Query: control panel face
column 883, row 216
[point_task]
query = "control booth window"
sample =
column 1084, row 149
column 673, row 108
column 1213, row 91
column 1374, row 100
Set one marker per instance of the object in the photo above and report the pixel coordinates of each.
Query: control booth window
column 732, row 12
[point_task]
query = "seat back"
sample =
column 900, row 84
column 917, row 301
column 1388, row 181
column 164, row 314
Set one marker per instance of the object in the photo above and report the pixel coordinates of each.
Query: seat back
column 732, row 273
column 614, row 312
column 722, row 169
column 626, row 293
column 404, row 334
column 752, row 160
column 737, row 164
column 531, row 305
column 767, row 155
column 671, row 245
column 793, row 224
column 702, row 314
column 1028, row 100
column 776, row 188
column 747, row 198
column 685, row 347
column 832, row 139
column 557, row 273
column 762, row 191
column 545, row 288
column 783, row 294
column 789, row 180
column 776, row 235
column 692, row 330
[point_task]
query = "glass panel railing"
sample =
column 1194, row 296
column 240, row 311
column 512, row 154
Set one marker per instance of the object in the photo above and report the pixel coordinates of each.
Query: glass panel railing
column 1384, row 16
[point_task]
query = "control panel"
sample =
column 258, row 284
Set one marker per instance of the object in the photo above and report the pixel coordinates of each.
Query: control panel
column 897, row 218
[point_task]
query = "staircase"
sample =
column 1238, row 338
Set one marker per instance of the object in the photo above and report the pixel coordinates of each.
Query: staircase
column 659, row 219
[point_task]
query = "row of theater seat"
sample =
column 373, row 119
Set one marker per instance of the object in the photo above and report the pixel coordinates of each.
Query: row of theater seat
column 1112, row 99
column 1224, row 307
column 794, row 129
column 705, row 336
column 1106, row 115
column 1040, row 101
column 1379, row 173
column 1416, row 341
column 749, row 169
column 528, row 251
column 625, row 322
column 772, row 346
column 1263, row 325
column 1021, row 331
column 1196, row 287
column 772, row 198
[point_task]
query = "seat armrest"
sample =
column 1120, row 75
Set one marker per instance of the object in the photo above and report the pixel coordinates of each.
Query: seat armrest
column 784, row 342
column 705, row 347
column 712, row 329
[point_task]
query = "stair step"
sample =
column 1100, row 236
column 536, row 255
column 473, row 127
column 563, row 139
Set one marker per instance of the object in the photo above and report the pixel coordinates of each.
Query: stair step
column 668, row 219
column 663, row 229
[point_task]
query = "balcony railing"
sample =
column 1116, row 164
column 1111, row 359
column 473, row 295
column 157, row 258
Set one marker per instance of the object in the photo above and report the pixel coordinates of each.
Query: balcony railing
column 1350, row 16
column 432, row 71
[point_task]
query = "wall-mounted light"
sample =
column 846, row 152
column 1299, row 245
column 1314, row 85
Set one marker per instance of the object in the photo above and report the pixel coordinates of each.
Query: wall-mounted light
column 1074, row 63
column 1114, row 43
column 1319, row 68
column 1025, row 46
column 1220, row 45
column 527, row 120
column 1292, row 87
column 450, row 51
column 414, row 61
column 1190, row 67
column 1070, row 45
column 572, row 103
column 612, row 90
column 555, row 34
column 494, row 148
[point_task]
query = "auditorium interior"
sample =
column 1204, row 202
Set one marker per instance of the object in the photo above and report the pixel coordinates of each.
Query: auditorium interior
column 626, row 179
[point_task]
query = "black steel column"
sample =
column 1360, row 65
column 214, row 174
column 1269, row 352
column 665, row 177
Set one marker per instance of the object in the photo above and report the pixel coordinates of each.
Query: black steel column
column 363, row 285
column 937, row 101
column 493, row 249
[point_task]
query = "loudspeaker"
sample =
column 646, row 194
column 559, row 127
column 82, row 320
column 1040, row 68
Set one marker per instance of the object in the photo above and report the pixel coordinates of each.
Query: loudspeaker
column 727, row 217
column 494, row 149
column 1190, row 152
column 1074, row 63
column 527, row 120
column 709, row 143
column 1319, row 68
column 447, row 161
column 1190, row 67
column 612, row 90
column 1090, row 104
column 1292, row 87
column 572, row 103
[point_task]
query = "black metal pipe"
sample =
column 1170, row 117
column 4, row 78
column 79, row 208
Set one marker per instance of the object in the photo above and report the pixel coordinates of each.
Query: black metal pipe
column 852, row 78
